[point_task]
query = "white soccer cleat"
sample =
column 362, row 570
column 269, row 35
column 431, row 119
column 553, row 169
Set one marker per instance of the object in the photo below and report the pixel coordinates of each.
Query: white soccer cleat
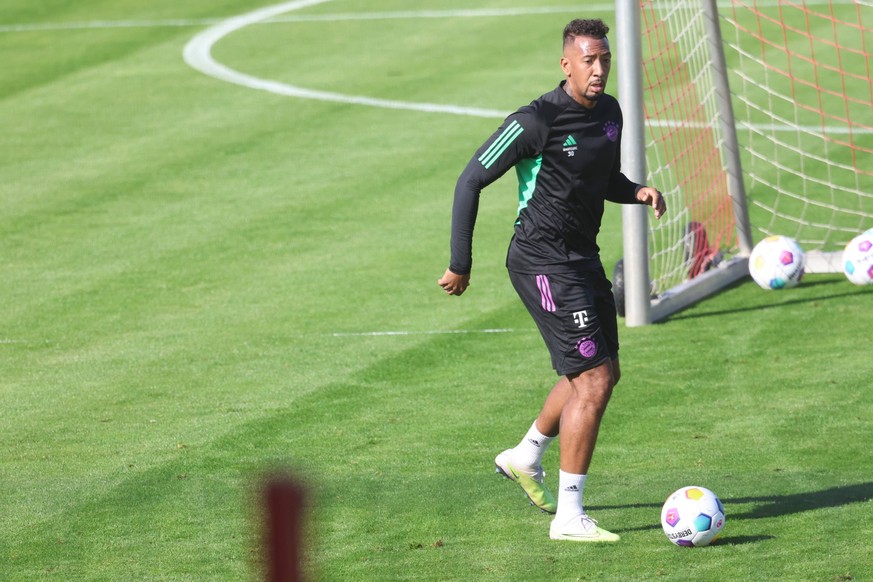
column 581, row 529
column 530, row 479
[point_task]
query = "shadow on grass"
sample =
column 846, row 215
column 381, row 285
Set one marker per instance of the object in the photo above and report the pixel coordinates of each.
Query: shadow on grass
column 776, row 505
column 773, row 506
column 774, row 304
column 740, row 540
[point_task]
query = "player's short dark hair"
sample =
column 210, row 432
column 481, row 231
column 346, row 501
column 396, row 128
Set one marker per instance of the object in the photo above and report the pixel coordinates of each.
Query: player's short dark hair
column 595, row 28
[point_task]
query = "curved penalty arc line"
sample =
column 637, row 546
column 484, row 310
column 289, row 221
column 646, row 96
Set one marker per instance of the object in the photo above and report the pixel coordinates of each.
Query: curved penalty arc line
column 198, row 55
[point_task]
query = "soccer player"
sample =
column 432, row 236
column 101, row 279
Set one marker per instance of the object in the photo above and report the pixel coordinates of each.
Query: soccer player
column 565, row 147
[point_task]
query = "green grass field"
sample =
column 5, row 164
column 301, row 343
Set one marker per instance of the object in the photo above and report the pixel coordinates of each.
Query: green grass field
column 198, row 278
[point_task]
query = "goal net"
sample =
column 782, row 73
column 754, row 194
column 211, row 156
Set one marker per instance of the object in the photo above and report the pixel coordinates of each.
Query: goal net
column 758, row 120
column 804, row 93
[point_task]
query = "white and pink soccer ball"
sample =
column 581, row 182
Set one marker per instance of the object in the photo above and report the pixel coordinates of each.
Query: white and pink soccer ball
column 777, row 262
column 858, row 259
column 692, row 517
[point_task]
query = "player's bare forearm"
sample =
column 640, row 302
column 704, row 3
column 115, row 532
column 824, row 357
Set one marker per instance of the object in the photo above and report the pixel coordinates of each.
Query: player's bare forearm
column 454, row 284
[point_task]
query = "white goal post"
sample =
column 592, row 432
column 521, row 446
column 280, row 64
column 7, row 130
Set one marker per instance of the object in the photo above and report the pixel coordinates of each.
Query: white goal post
column 796, row 159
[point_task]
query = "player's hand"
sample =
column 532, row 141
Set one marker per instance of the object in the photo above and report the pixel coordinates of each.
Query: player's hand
column 651, row 197
column 454, row 284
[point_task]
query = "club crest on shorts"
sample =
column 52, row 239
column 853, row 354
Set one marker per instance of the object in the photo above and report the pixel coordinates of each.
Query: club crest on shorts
column 587, row 347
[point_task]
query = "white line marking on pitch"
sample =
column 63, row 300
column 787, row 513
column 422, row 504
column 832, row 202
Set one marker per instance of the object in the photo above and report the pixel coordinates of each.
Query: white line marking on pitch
column 432, row 332
column 181, row 22
column 201, row 58
column 198, row 55
column 472, row 12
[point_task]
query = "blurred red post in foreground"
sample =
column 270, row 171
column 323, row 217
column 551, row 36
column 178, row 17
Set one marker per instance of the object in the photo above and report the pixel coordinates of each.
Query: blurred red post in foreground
column 283, row 523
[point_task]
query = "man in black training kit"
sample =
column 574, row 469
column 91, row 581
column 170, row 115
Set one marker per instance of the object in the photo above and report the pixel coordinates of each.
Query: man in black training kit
column 565, row 147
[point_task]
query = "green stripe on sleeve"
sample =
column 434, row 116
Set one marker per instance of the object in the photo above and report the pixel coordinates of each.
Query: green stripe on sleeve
column 496, row 149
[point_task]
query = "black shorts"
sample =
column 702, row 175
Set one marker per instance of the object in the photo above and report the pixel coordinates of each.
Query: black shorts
column 575, row 313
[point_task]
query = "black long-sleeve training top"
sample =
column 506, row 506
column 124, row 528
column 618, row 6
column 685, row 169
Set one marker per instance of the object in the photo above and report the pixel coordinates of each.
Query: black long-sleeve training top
column 567, row 159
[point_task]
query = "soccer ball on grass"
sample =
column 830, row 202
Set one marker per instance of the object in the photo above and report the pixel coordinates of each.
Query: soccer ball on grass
column 858, row 259
column 692, row 516
column 777, row 262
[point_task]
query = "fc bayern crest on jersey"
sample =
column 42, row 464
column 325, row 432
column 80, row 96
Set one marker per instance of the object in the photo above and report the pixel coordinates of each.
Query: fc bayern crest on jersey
column 610, row 128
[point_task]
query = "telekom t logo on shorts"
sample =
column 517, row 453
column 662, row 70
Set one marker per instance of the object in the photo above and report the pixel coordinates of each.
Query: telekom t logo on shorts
column 581, row 318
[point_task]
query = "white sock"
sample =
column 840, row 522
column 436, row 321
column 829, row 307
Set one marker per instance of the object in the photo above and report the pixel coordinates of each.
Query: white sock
column 529, row 452
column 571, row 488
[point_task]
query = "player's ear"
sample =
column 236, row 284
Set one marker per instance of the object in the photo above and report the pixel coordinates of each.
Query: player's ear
column 565, row 65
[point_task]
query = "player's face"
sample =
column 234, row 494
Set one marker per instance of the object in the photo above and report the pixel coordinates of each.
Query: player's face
column 586, row 62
